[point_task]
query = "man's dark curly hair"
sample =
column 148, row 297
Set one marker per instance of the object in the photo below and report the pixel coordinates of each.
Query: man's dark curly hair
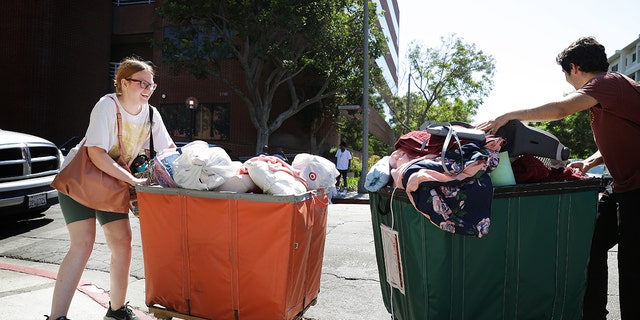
column 586, row 53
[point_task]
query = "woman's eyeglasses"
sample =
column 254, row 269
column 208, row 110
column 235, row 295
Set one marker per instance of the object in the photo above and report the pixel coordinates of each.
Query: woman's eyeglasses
column 144, row 84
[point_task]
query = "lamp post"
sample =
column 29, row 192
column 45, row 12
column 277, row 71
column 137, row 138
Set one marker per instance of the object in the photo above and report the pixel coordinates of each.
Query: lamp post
column 192, row 104
column 365, row 103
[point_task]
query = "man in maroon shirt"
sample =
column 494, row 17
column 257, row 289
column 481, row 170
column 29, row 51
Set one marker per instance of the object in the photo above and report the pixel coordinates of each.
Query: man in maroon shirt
column 613, row 101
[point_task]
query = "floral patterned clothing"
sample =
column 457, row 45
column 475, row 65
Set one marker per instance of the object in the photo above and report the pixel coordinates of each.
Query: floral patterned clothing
column 457, row 203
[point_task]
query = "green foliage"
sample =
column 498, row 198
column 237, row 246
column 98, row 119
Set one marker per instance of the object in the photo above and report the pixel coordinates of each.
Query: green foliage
column 352, row 184
column 356, row 166
column 573, row 131
column 373, row 159
column 350, row 128
column 447, row 84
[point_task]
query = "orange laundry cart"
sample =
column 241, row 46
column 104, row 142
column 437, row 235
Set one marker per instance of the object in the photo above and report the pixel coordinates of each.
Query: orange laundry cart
column 215, row 255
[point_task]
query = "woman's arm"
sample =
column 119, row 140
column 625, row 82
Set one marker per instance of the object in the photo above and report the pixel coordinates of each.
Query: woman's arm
column 103, row 161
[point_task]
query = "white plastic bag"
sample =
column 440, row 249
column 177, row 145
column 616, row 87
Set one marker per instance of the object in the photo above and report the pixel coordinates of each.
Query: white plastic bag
column 274, row 176
column 201, row 167
column 319, row 172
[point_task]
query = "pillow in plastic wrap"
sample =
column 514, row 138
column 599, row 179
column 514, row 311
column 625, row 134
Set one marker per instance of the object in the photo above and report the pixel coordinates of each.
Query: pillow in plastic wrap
column 162, row 175
column 274, row 182
column 379, row 175
column 240, row 182
column 162, row 171
column 319, row 172
column 201, row 167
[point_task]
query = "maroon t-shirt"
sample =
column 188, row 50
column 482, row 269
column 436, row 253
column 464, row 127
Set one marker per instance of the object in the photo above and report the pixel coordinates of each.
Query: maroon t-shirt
column 615, row 121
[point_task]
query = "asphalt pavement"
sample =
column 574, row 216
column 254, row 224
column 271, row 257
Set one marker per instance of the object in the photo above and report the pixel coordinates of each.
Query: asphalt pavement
column 31, row 250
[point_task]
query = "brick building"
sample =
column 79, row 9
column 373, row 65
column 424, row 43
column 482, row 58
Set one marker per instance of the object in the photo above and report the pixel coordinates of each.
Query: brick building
column 61, row 57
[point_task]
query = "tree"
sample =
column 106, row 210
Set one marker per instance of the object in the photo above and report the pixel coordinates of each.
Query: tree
column 279, row 45
column 318, row 118
column 450, row 83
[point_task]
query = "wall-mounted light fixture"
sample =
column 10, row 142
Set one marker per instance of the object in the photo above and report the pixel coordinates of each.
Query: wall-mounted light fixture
column 192, row 103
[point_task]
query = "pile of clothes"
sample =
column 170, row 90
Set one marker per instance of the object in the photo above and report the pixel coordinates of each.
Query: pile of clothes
column 447, row 180
column 199, row 166
column 530, row 169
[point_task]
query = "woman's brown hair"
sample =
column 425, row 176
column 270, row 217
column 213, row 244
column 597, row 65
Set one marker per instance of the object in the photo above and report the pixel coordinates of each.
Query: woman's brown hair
column 129, row 66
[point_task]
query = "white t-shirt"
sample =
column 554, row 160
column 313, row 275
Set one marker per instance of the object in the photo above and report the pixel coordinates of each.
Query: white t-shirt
column 343, row 159
column 103, row 130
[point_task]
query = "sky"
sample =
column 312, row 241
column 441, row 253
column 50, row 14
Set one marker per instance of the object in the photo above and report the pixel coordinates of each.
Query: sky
column 523, row 36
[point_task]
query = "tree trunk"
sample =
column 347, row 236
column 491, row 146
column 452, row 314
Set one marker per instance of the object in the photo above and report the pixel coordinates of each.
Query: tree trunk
column 262, row 140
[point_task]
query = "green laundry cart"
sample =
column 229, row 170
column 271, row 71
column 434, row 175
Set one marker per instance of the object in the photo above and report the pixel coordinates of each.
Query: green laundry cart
column 531, row 265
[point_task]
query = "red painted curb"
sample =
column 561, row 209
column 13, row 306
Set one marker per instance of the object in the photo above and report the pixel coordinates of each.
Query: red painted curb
column 99, row 295
column 29, row 270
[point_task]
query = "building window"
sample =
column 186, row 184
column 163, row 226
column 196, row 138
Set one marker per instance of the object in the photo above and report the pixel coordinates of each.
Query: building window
column 210, row 122
column 633, row 57
column 614, row 68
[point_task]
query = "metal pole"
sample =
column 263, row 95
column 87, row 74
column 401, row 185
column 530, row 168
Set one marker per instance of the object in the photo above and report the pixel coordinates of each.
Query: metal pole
column 365, row 103
column 406, row 116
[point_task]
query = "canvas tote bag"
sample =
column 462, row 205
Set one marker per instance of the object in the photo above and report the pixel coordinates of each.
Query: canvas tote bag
column 92, row 187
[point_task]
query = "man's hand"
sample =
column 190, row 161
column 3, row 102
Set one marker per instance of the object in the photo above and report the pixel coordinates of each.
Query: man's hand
column 492, row 126
column 580, row 165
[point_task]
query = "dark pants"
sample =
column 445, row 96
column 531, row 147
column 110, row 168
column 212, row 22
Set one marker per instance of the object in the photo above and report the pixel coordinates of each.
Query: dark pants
column 617, row 222
column 343, row 176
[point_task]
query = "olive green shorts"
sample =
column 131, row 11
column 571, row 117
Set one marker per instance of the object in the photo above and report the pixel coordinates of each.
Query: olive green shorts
column 74, row 211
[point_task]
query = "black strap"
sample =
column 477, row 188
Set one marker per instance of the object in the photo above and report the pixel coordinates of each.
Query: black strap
column 152, row 150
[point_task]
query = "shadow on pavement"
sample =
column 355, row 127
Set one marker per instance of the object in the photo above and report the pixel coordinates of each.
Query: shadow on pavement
column 21, row 223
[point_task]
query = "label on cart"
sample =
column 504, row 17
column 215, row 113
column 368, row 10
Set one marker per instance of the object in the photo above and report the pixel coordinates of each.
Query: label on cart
column 392, row 258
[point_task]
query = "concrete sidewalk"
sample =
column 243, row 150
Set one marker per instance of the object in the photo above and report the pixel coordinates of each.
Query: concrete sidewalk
column 350, row 287
column 27, row 287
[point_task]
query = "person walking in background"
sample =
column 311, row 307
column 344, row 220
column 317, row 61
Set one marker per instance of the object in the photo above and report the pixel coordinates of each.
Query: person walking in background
column 343, row 163
column 613, row 101
column 134, row 86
